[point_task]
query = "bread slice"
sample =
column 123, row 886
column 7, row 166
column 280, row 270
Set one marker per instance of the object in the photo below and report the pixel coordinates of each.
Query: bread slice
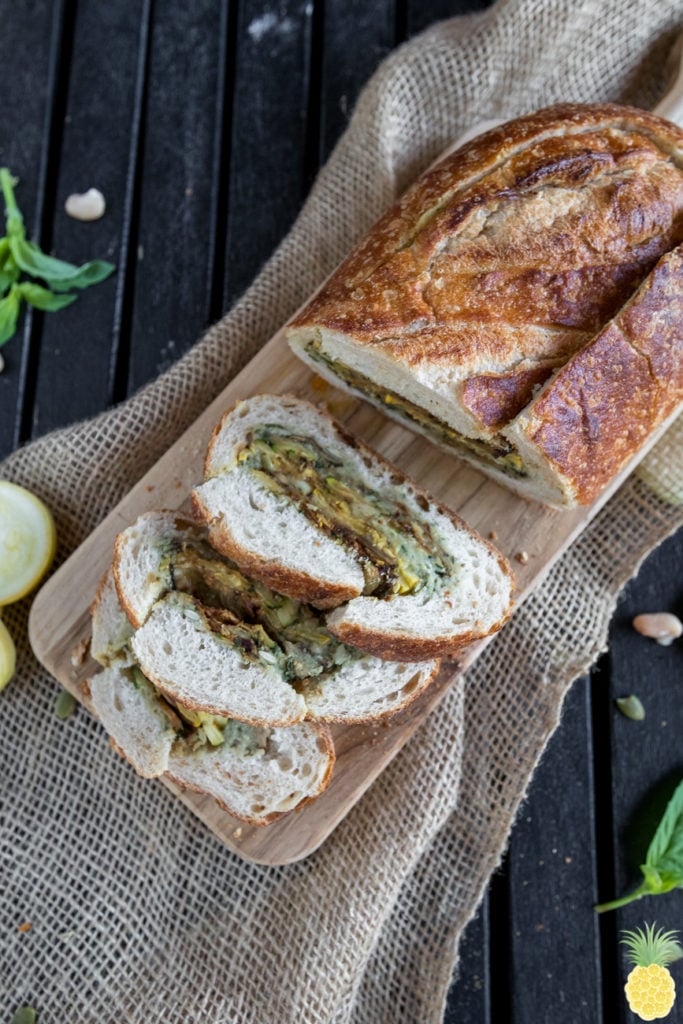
column 255, row 774
column 221, row 643
column 111, row 629
column 194, row 666
column 131, row 712
column 285, row 482
column 491, row 273
column 258, row 774
column 142, row 566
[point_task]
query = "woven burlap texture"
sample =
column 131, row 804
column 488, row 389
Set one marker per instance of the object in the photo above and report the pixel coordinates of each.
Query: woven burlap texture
column 139, row 914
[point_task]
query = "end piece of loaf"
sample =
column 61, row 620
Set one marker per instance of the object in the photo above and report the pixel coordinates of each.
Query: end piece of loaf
column 495, row 307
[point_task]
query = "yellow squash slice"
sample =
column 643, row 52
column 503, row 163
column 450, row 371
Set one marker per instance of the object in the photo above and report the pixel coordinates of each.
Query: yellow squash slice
column 7, row 656
column 27, row 542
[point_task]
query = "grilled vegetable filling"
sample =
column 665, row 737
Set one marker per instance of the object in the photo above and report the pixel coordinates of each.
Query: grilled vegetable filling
column 397, row 552
column 199, row 729
column 260, row 624
column 500, row 453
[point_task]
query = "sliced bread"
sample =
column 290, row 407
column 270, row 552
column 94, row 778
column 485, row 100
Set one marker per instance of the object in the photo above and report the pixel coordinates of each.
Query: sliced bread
column 219, row 642
column 299, row 503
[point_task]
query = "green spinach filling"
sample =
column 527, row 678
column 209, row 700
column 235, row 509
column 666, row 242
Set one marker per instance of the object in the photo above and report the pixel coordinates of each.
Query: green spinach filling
column 500, row 454
column 260, row 624
column 397, row 553
column 201, row 729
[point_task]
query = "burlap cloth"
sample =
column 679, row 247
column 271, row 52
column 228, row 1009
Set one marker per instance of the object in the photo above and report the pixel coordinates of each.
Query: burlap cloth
column 139, row 914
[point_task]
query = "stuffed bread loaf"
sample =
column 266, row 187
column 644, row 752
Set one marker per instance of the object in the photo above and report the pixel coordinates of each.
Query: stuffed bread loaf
column 216, row 642
column 302, row 505
column 256, row 774
column 521, row 305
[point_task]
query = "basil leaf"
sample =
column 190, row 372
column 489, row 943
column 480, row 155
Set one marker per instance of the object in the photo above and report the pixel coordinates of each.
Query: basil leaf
column 9, row 313
column 15, row 222
column 9, row 271
column 665, row 852
column 60, row 275
column 41, row 298
column 663, row 867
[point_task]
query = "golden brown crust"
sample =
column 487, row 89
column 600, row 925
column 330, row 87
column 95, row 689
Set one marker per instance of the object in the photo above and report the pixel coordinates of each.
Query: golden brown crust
column 496, row 398
column 599, row 409
column 611, row 165
column 325, row 736
column 509, row 255
column 396, row 647
column 126, row 606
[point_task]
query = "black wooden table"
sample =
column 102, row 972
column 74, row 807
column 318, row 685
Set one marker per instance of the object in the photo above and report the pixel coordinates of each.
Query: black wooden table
column 204, row 124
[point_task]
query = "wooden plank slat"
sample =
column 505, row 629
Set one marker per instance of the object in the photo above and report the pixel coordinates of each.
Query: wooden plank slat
column 30, row 43
column 98, row 149
column 554, row 951
column 174, row 242
column 647, row 756
column 268, row 140
column 420, row 15
column 342, row 78
column 469, row 996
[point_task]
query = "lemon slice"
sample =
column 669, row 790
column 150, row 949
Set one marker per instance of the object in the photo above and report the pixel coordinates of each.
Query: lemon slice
column 7, row 656
column 27, row 541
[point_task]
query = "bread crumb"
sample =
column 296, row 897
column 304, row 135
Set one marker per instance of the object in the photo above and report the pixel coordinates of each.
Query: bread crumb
column 149, row 488
column 79, row 652
column 522, row 557
column 493, row 535
column 237, row 833
column 24, row 927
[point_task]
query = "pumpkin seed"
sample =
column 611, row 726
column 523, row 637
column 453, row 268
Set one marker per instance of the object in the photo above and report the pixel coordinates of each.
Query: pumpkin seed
column 24, row 1015
column 64, row 705
column 631, row 707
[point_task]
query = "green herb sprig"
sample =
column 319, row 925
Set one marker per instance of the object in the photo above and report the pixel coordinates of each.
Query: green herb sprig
column 663, row 867
column 18, row 255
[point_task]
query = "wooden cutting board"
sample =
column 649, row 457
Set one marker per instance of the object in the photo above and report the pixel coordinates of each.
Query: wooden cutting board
column 530, row 535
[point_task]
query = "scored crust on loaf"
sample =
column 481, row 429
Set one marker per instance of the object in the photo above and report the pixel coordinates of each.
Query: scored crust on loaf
column 494, row 269
column 471, row 601
column 604, row 403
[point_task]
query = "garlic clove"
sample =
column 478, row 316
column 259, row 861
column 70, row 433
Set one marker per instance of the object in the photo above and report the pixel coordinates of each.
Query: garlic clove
column 88, row 205
column 660, row 626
